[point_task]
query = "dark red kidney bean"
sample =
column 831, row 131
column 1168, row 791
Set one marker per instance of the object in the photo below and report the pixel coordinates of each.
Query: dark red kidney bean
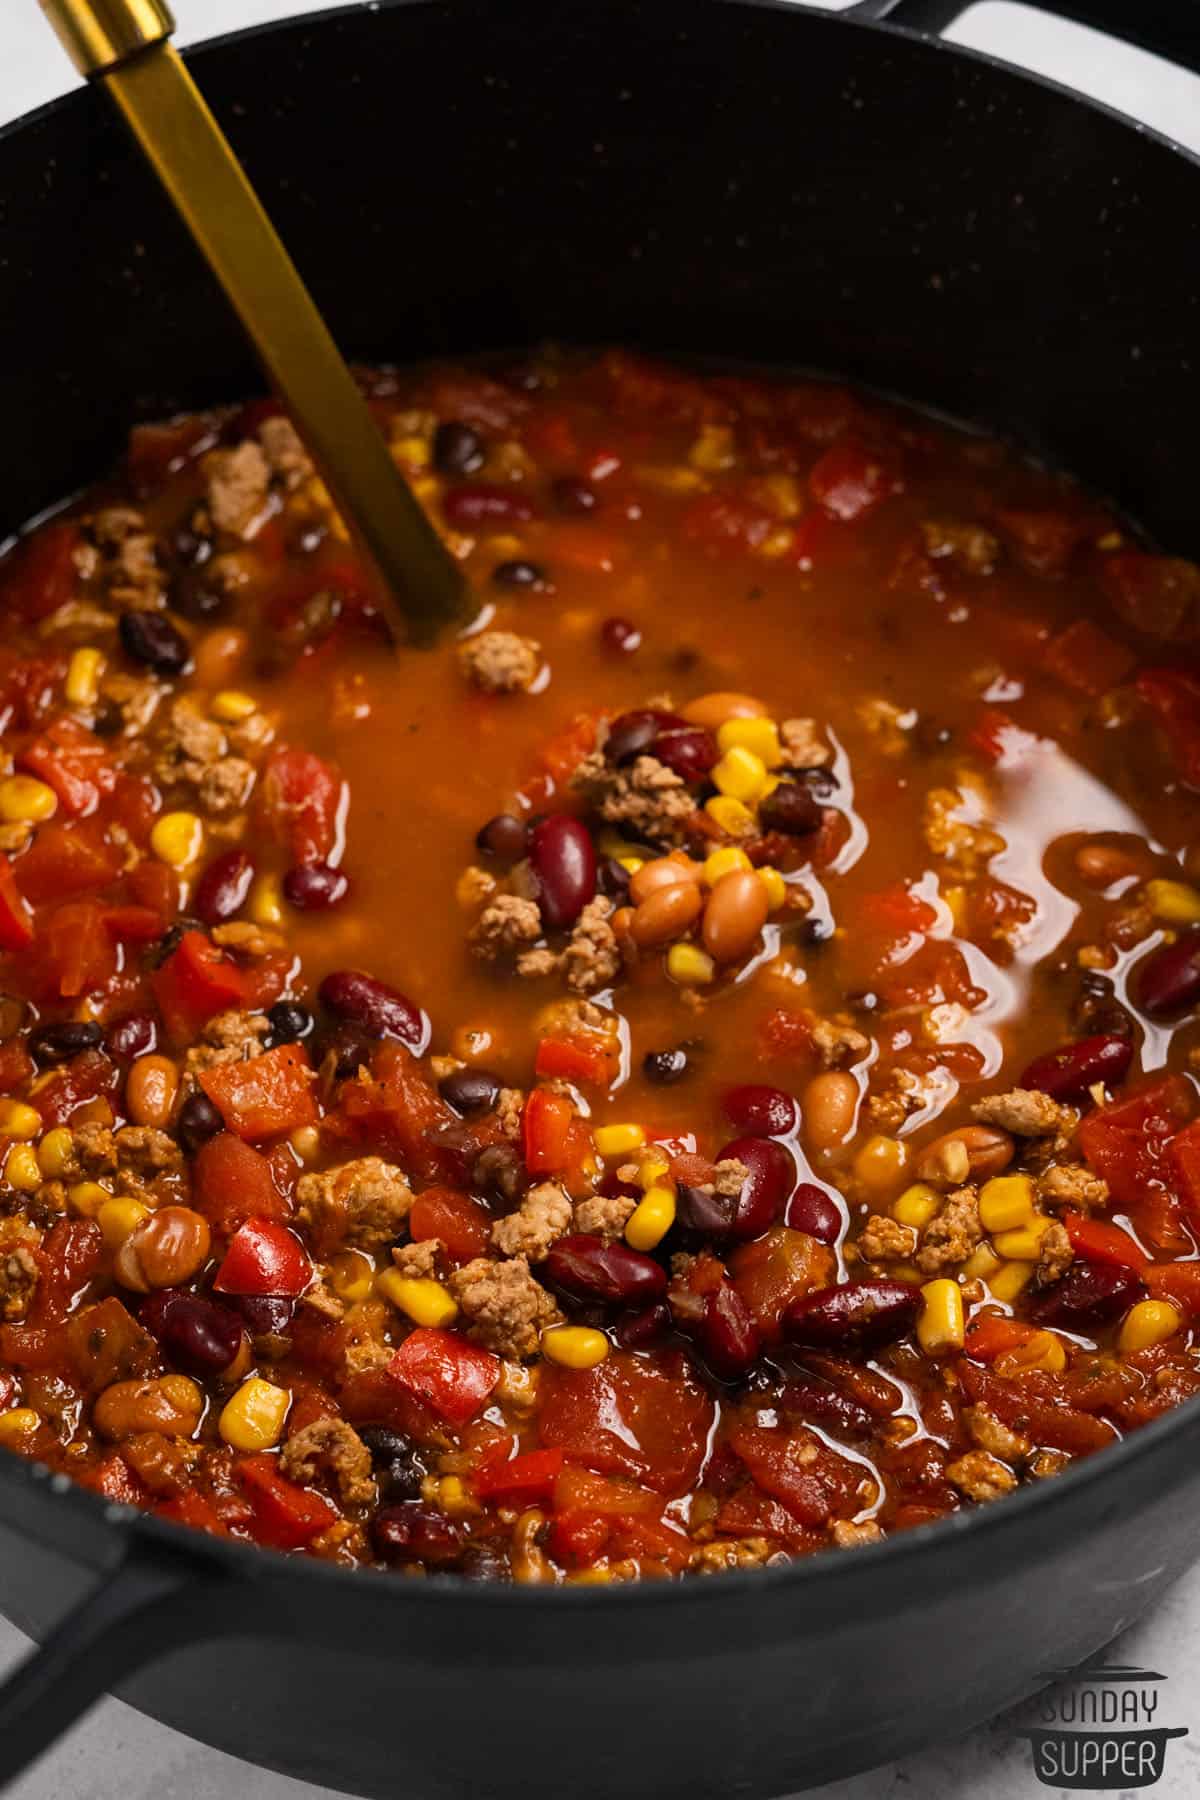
column 349, row 1045
column 266, row 1315
column 58, row 1043
column 470, row 1091
column 1068, row 1073
column 572, row 495
column 766, row 1189
column 811, row 1209
column 633, row 733
column 520, row 574
column 587, row 1268
column 1168, row 981
column 760, row 1111
column 458, row 449
column 505, row 837
column 563, row 861
column 708, row 1215
column 620, row 636
column 486, row 503
column 134, row 1035
column 633, row 1331
column 315, row 887
column 376, row 1008
column 222, row 889
column 689, row 753
column 855, row 1316
column 198, row 1121
column 820, row 1404
column 1088, row 1294
column 728, row 1337
column 199, row 1337
column 790, row 808
column 413, row 1532
column 151, row 638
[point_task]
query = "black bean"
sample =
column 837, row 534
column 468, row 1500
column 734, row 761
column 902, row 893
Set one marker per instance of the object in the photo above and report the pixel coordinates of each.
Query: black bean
column 483, row 1562
column 470, row 1091
column 665, row 1066
column 198, row 1121
column 708, row 1215
column 396, row 1463
column 457, row 449
column 195, row 595
column 499, row 1171
column 612, row 880
column 519, row 574
column 189, row 548
column 505, row 837
column 55, row 1043
column 571, row 495
column 289, row 1022
column 315, row 887
column 790, row 808
column 152, row 639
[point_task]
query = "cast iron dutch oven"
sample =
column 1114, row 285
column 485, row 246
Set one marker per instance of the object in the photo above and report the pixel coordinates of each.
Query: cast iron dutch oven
column 706, row 177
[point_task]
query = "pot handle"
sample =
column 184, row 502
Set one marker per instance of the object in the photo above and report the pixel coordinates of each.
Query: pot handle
column 134, row 1613
column 1166, row 27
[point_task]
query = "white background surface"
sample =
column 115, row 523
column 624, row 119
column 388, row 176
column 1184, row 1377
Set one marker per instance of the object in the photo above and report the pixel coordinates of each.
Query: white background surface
column 116, row 1754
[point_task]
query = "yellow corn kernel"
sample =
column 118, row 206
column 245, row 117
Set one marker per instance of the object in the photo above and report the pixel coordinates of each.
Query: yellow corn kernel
column 1025, row 1242
column 86, row 1198
column 880, row 1163
column 1174, row 902
column 631, row 864
column 26, row 801
column 117, row 1218
column 723, row 862
column 233, row 707
column 17, row 1423
column 266, row 901
column 54, row 1152
column 941, row 1323
column 305, row 1141
column 454, row 1498
column 21, row 1169
column 177, row 839
column 916, row 1205
column 956, row 899
column 410, row 452
column 1044, row 1350
column 618, row 1140
column 776, row 543
column 611, row 843
column 19, row 1120
column 740, row 775
column 776, row 887
column 730, row 815
column 689, row 965
column 653, row 1171
column 593, row 1577
column 82, row 685
column 1149, row 1322
column 351, row 1276
column 253, row 1418
column 424, row 1300
column 905, row 1272
column 759, row 736
column 651, row 1219
column 1005, row 1202
column 574, row 1346
column 982, row 1264
column 713, row 449
column 1010, row 1278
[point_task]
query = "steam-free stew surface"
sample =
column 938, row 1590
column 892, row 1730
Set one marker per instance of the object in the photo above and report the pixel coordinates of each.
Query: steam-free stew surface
column 693, row 1072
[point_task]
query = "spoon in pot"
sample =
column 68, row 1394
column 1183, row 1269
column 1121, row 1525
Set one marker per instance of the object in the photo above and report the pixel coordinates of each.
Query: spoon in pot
column 124, row 45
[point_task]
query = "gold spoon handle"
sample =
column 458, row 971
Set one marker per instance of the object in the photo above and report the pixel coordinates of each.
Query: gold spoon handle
column 124, row 43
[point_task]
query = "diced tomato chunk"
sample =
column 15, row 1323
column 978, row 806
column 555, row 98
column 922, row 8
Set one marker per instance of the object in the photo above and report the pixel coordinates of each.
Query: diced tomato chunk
column 66, row 860
column 1125, row 1141
column 446, row 1372
column 629, row 1416
column 263, row 1258
column 1087, row 659
column 1174, row 695
column 575, row 1059
column 195, row 982
column 1100, row 1241
column 1177, row 1282
column 849, row 481
column 266, row 1096
column 524, row 1480
column 546, row 1129
column 74, row 762
column 1159, row 595
column 232, row 1183
column 460, row 1222
column 16, row 920
column 285, row 1516
column 303, row 799
column 44, row 572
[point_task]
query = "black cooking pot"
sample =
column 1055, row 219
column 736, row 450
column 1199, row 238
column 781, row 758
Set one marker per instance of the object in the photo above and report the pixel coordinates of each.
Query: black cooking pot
column 706, row 177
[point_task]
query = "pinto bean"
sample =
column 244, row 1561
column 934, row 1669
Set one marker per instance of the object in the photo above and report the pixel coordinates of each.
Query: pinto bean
column 664, row 871
column 151, row 1088
column 712, row 710
column 170, row 1405
column 972, row 1153
column 735, row 915
column 665, row 914
column 829, row 1108
column 164, row 1250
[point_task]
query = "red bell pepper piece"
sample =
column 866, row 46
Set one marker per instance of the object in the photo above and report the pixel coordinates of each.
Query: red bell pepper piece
column 578, row 1539
column 16, row 919
column 74, row 762
column 991, row 1335
column 441, row 1368
column 1177, row 1282
column 66, row 860
column 263, row 1258
column 1099, row 1241
column 546, row 1131
column 195, row 982
column 573, row 1060
column 266, row 1096
column 524, row 1480
column 285, row 1516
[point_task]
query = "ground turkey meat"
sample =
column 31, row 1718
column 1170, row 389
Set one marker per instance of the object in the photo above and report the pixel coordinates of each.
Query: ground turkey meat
column 288, row 458
column 734, row 1553
column 193, row 753
column 604, row 1215
column 845, row 1533
column 981, row 1476
column 131, row 699
column 417, row 1262
column 592, row 958
column 886, row 1240
column 508, row 1111
column 903, row 1093
column 503, row 1307
column 332, row 1447
column 18, row 1279
column 93, row 1153
column 144, row 1151
column 129, row 558
column 248, row 939
column 966, row 843
column 802, row 747
column 838, row 1044
column 969, row 547
column 506, row 925
column 729, row 1177
column 650, row 799
column 951, row 1236
column 361, row 1206
column 238, row 483
column 543, row 1216
column 991, row 1434
column 1071, row 1184
column 227, row 1038
column 500, row 662
column 1026, row 1113
column 1055, row 1255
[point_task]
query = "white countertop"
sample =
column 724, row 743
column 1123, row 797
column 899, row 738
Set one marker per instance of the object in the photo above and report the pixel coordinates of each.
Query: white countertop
column 118, row 1755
